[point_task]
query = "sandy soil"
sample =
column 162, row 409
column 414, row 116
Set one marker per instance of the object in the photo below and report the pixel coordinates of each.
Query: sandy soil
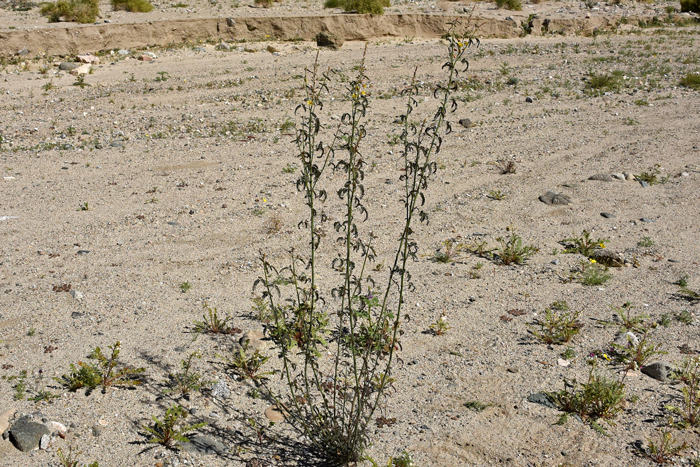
column 185, row 163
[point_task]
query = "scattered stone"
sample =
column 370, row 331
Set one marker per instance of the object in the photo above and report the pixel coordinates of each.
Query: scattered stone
column 145, row 58
column 608, row 258
column 629, row 177
column 271, row 49
column 659, row 371
column 56, row 427
column 199, row 49
column 68, row 66
column 224, row 46
column 5, row 419
column 685, row 174
column 542, row 398
column 627, row 338
column 81, row 70
column 26, row 434
column 562, row 362
column 646, row 219
column 44, row 441
column 82, row 252
column 253, row 341
column 274, row 414
column 24, row 51
column 608, row 215
column 88, row 58
column 528, row 99
column 77, row 314
column 644, row 184
column 230, row 22
column 116, row 144
column 96, row 431
column 466, row 123
column 601, row 177
column 123, row 52
column 328, row 39
column 204, row 445
column 555, row 198
column 619, row 176
column 220, row 390
column 555, row 261
column 79, row 296
column 151, row 54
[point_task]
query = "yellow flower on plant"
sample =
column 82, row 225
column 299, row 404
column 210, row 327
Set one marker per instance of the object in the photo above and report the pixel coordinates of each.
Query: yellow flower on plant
column 593, row 261
column 363, row 93
column 602, row 245
column 310, row 102
column 605, row 356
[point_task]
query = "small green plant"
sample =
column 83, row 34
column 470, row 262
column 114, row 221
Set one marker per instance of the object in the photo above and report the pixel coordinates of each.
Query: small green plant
column 684, row 317
column 71, row 459
column 212, row 324
column 261, row 310
column 598, row 398
column 84, row 207
column 557, row 328
column 167, row 432
column 513, row 5
column 289, row 169
column 665, row 320
column 593, row 273
column 603, row 82
column 497, row 195
column 683, row 281
column 650, row 176
column 186, row 380
column 449, row 252
column 80, row 81
column 666, row 449
column 440, row 326
column 691, row 80
column 404, row 460
column 568, row 354
column 48, row 86
column 477, row 406
column 689, row 295
column 512, row 250
column 80, row 11
column 629, row 321
column 583, row 244
column 104, row 373
column 634, row 354
column 185, row 287
column 134, row 6
column 247, row 365
column 646, row 242
column 20, row 386
column 374, row 7
column 688, row 374
column 162, row 76
column 287, row 125
column 31, row 332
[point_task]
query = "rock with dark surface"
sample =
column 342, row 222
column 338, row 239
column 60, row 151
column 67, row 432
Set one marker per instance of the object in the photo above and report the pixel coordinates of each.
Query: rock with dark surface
column 203, row 445
column 26, row 434
column 466, row 123
column 608, row 215
column 555, row 198
column 328, row 39
column 608, row 258
column 542, row 398
column 68, row 66
column 602, row 177
column 660, row 371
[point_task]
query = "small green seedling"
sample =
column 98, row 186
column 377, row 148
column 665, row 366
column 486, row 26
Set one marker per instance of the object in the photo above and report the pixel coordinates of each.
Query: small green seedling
column 440, row 326
column 557, row 328
column 167, row 432
column 212, row 324
column 185, row 287
column 512, row 250
column 583, row 244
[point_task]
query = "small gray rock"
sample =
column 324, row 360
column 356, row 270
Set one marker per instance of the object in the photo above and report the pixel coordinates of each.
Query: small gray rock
column 646, row 219
column 24, row 51
column 328, row 39
column 44, row 441
column 230, row 22
column 26, row 434
column 68, row 66
column 542, row 398
column 199, row 49
column 204, row 445
column 220, row 390
column 79, row 296
column 626, row 339
column 644, row 184
column 555, row 198
column 608, row 215
column 116, row 144
column 608, row 258
column 601, row 177
column 224, row 46
column 466, row 123
column 660, row 371
column 629, row 177
column 619, row 176
column 555, row 261
column 528, row 99
column 96, row 431
column 123, row 52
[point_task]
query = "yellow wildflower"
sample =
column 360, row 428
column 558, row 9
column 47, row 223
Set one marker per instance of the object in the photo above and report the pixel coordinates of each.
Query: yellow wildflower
column 593, row 261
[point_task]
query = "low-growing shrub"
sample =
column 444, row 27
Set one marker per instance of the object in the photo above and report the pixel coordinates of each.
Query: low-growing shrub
column 557, row 328
column 690, row 5
column 135, row 6
column 514, row 5
column 374, row 7
column 691, row 80
column 599, row 398
column 80, row 11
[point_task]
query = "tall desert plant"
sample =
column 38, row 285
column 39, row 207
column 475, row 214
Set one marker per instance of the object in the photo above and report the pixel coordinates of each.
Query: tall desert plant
column 337, row 348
